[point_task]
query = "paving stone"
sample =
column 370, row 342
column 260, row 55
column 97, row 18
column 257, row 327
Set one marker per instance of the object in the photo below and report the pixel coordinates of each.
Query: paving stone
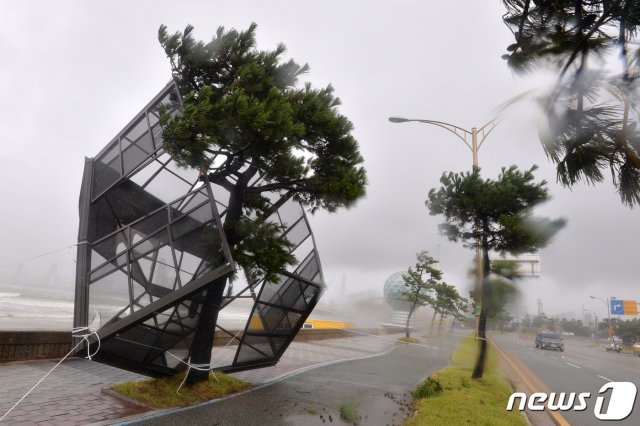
column 72, row 393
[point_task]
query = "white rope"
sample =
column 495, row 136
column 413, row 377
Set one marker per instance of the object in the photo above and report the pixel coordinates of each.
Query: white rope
column 200, row 367
column 85, row 338
column 40, row 255
column 189, row 364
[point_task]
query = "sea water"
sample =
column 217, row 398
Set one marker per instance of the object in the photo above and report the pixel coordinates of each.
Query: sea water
column 20, row 311
column 28, row 312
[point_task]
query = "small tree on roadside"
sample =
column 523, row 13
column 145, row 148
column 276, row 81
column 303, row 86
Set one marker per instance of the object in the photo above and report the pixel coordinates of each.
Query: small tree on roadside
column 420, row 282
column 448, row 303
column 492, row 215
column 247, row 126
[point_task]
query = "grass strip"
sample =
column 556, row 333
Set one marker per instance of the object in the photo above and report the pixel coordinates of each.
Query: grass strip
column 161, row 393
column 409, row 340
column 451, row 397
column 349, row 413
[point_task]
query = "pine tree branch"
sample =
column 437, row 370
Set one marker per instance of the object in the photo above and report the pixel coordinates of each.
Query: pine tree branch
column 277, row 186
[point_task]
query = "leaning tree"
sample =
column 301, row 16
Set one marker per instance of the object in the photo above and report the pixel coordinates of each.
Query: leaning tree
column 419, row 282
column 448, row 302
column 492, row 215
column 245, row 119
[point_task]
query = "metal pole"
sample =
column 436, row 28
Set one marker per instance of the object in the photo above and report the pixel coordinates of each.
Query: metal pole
column 474, row 146
column 609, row 329
column 83, row 257
column 479, row 268
column 462, row 134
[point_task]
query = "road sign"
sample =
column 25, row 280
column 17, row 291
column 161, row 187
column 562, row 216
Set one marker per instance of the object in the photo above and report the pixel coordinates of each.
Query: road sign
column 617, row 307
column 623, row 307
column 630, row 307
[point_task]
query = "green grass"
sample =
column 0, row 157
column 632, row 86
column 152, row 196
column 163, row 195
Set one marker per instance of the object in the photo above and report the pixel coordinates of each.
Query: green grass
column 348, row 413
column 409, row 340
column 451, row 397
column 161, row 393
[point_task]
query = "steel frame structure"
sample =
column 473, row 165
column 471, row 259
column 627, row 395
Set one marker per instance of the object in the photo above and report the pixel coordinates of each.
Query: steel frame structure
column 150, row 243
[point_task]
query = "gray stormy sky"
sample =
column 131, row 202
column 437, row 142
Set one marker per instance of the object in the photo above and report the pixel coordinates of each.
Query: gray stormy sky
column 75, row 72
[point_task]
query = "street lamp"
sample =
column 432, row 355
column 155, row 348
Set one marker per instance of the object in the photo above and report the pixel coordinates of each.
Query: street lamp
column 463, row 134
column 609, row 328
column 474, row 146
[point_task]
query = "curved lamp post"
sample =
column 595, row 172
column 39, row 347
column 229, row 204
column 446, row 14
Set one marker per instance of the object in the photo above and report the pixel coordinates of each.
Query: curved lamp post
column 461, row 133
column 470, row 139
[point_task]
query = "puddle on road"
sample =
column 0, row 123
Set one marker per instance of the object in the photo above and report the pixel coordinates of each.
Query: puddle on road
column 389, row 409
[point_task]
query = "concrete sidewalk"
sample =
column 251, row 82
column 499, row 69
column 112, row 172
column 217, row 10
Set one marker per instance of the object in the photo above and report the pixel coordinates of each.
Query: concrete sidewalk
column 72, row 393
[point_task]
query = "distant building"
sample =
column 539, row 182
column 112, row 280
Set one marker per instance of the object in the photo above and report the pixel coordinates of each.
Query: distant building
column 528, row 263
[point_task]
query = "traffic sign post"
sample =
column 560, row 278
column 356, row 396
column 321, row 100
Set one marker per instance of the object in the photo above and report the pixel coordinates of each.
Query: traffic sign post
column 623, row 307
column 617, row 307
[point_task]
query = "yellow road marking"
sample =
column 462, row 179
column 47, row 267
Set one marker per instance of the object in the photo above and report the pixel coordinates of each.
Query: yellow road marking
column 531, row 381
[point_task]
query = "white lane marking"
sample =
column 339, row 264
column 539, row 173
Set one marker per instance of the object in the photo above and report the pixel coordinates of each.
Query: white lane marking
column 585, row 357
column 573, row 365
column 608, row 380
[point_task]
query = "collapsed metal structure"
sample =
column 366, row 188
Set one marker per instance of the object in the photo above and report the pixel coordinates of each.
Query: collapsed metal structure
column 150, row 242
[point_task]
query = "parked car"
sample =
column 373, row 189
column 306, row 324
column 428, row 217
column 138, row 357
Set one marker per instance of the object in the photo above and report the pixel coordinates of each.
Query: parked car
column 636, row 349
column 548, row 340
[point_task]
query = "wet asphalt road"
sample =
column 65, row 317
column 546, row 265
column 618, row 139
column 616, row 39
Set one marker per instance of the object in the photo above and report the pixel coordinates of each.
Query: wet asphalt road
column 378, row 388
column 581, row 368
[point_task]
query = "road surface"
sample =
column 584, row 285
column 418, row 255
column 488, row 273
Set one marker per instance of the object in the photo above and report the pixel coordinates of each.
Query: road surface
column 377, row 387
column 581, row 368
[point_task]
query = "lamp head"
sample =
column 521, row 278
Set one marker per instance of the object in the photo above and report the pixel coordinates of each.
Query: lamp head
column 398, row 120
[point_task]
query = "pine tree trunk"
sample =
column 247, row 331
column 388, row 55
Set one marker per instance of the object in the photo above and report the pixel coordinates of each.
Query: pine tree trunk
column 407, row 332
column 435, row 312
column 203, row 339
column 202, row 344
column 478, row 371
column 440, row 324
column 485, row 300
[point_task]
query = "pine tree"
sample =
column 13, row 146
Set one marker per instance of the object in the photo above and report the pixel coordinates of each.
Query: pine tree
column 492, row 215
column 420, row 281
column 246, row 118
column 591, row 114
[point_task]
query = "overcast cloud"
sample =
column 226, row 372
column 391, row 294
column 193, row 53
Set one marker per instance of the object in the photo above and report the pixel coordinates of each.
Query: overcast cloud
column 74, row 73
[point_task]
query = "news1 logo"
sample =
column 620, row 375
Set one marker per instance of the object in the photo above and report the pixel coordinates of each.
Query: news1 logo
column 621, row 401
